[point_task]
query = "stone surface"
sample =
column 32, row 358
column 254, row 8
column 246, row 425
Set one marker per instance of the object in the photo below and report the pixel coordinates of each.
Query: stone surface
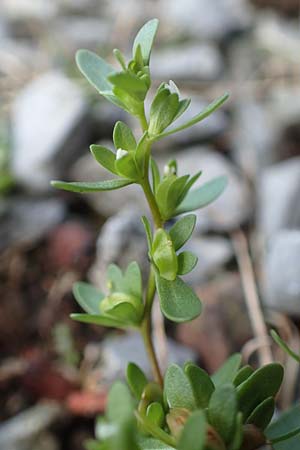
column 82, row 32
column 117, row 352
column 208, row 20
column 282, row 272
column 234, row 206
column 187, row 62
column 25, row 9
column 26, row 220
column 22, row 431
column 121, row 240
column 43, row 145
column 278, row 193
column 255, row 134
column 212, row 252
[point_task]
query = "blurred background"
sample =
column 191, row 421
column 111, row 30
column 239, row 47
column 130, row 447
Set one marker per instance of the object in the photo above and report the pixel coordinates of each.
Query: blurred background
column 55, row 373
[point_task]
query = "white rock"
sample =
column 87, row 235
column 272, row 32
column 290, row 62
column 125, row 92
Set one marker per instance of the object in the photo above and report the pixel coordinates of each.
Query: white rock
column 118, row 351
column 206, row 19
column 213, row 252
column 282, row 272
column 278, row 197
column 43, row 116
column 187, row 62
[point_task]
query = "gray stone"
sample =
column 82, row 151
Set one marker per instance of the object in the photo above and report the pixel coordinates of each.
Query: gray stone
column 278, row 197
column 234, row 206
column 46, row 133
column 206, row 20
column 117, row 352
column 26, row 220
column 110, row 202
column 213, row 253
column 255, row 134
column 22, row 431
column 282, row 272
column 121, row 241
column 82, row 32
column 187, row 62
column 29, row 9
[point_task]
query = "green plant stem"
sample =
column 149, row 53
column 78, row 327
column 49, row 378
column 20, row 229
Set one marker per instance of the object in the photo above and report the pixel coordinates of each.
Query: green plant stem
column 143, row 120
column 152, row 204
column 146, row 328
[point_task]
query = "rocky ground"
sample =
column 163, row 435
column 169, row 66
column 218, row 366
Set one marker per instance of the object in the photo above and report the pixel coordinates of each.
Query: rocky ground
column 54, row 372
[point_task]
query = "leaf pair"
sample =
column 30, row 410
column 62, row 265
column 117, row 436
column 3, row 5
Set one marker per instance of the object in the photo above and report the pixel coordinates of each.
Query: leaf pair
column 177, row 300
column 165, row 108
column 174, row 195
column 126, row 89
column 122, row 308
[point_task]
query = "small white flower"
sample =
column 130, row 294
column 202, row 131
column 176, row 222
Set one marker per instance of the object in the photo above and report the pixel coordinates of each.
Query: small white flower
column 173, row 88
column 121, row 153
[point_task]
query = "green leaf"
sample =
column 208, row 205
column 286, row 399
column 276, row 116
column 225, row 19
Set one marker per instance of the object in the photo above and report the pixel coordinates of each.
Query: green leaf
column 183, row 106
column 148, row 443
column 199, row 117
column 284, row 346
column 142, row 152
column 263, row 383
column 120, row 58
column 177, row 389
column 203, row 196
column 178, row 301
column 193, row 436
column 115, row 278
column 97, row 186
column 122, row 310
column 130, row 83
column 145, row 38
column 88, row 297
column 175, row 195
column 163, row 255
column 136, row 379
column 287, row 422
column 227, row 372
column 182, row 230
column 155, row 431
column 119, row 404
column 96, row 71
column 242, row 375
column 222, row 410
column 104, row 321
column 186, row 262
column 123, row 137
column 262, row 414
column 104, row 156
column 148, row 231
column 201, row 383
column 237, row 435
column 162, row 112
column 191, row 182
column 133, row 280
column 126, row 166
column 156, row 414
column 155, row 174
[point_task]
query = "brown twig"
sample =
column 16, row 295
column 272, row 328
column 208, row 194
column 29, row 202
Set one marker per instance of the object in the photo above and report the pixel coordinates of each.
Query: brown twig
column 255, row 312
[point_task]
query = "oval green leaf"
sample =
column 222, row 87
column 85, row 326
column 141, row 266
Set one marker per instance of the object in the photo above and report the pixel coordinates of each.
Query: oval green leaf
column 178, row 301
